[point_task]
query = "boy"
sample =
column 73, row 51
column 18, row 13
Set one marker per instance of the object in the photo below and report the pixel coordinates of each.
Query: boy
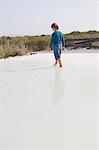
column 57, row 41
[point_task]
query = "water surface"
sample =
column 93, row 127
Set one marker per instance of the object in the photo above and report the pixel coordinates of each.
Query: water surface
column 43, row 107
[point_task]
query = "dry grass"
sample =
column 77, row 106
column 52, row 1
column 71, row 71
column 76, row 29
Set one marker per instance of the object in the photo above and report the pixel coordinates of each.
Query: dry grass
column 13, row 46
column 6, row 52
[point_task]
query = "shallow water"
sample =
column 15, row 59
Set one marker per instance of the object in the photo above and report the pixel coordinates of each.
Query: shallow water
column 43, row 107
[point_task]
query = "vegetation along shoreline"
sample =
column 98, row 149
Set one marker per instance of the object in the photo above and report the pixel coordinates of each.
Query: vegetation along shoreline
column 21, row 45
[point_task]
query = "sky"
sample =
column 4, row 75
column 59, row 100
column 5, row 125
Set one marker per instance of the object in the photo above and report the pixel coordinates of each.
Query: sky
column 34, row 17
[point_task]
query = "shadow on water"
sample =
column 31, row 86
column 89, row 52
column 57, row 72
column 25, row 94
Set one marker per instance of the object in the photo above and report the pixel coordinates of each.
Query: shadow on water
column 57, row 87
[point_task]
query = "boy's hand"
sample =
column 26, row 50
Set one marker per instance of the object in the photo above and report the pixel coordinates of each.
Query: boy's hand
column 63, row 48
column 49, row 49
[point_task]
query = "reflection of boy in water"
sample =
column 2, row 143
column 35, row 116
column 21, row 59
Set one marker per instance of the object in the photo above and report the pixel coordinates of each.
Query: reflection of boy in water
column 57, row 88
column 57, row 41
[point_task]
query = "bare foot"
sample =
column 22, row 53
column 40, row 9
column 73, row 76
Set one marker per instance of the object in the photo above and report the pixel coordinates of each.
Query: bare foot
column 61, row 66
column 60, row 63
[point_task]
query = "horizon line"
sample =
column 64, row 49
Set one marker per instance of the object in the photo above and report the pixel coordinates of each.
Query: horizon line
column 43, row 34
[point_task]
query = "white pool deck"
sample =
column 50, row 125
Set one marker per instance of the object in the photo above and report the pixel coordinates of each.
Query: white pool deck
column 43, row 107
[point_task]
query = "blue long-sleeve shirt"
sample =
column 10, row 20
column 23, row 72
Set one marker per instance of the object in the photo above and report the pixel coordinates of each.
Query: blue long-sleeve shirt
column 57, row 38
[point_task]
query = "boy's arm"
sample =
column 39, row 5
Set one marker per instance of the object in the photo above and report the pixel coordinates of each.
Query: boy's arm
column 50, row 43
column 52, row 39
column 63, row 41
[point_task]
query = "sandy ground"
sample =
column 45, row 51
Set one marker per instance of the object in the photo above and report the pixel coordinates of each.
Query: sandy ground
column 43, row 107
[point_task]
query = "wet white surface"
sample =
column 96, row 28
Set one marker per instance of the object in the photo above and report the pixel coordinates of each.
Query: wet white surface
column 43, row 107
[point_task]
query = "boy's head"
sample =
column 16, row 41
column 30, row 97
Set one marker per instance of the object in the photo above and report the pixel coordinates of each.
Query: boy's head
column 55, row 27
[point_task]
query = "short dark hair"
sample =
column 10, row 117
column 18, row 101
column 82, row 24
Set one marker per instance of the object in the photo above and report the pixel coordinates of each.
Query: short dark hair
column 55, row 25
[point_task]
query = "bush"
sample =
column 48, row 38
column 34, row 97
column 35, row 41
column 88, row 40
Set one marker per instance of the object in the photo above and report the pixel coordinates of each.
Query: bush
column 13, row 46
column 37, row 43
column 75, row 32
column 92, row 31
